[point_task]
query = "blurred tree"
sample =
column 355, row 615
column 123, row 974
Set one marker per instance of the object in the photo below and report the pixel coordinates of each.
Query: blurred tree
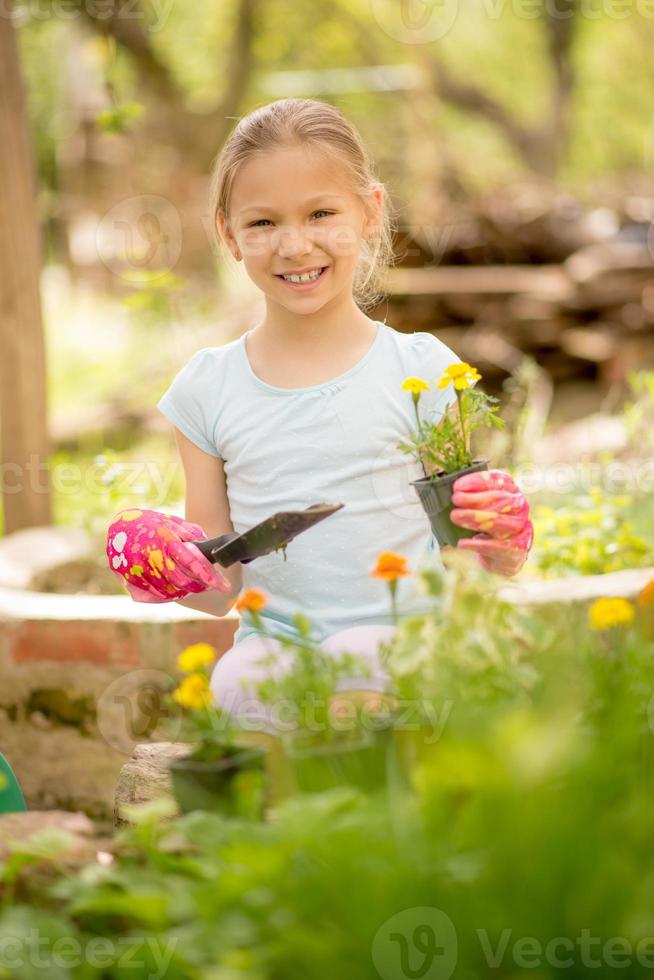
column 541, row 145
column 23, row 423
column 512, row 88
column 200, row 135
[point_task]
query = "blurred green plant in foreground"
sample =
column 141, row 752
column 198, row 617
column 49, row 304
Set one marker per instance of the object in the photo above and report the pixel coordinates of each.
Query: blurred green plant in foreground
column 519, row 838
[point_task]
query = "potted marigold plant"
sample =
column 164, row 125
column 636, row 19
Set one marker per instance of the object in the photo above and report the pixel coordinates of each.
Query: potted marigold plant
column 218, row 774
column 329, row 737
column 443, row 448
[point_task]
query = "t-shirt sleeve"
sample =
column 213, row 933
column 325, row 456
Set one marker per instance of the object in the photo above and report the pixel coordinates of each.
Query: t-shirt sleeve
column 190, row 401
column 429, row 358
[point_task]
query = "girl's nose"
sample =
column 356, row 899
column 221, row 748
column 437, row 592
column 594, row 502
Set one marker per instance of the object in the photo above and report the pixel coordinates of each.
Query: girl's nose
column 292, row 241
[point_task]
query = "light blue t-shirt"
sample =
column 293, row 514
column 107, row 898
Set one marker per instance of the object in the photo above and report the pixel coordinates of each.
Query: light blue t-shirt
column 335, row 442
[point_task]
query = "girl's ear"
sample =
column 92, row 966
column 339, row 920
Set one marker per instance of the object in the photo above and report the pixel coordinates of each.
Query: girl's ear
column 374, row 205
column 226, row 234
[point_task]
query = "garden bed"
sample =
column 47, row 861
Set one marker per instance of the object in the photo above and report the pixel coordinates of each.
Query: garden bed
column 516, row 835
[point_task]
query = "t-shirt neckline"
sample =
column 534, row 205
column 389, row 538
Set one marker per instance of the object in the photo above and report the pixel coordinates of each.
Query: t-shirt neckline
column 323, row 384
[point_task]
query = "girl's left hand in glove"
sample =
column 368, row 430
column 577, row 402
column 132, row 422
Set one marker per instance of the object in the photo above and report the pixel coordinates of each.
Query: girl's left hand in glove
column 490, row 502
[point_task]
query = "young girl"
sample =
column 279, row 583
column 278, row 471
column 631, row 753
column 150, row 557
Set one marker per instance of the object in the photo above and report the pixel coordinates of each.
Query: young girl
column 306, row 407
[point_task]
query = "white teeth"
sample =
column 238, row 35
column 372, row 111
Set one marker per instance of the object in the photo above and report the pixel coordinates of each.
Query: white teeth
column 305, row 277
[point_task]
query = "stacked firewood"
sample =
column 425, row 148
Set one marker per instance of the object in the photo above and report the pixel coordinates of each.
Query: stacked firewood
column 571, row 287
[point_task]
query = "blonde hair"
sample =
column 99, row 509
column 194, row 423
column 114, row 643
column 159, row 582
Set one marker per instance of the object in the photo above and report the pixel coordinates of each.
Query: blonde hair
column 317, row 125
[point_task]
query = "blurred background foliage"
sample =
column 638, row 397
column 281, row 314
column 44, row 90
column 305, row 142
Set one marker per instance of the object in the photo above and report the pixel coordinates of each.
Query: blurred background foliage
column 500, row 47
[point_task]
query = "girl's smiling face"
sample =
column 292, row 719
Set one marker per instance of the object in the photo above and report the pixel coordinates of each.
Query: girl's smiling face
column 292, row 212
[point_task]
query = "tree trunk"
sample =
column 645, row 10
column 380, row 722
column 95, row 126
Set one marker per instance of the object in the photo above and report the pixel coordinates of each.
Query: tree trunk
column 24, row 438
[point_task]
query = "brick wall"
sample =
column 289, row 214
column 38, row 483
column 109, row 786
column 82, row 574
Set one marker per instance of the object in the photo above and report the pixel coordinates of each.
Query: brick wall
column 80, row 684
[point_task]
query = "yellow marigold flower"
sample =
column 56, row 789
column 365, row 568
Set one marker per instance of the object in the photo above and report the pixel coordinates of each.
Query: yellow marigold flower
column 606, row 613
column 252, row 599
column 461, row 375
column 193, row 692
column 646, row 594
column 390, row 566
column 415, row 385
column 195, row 656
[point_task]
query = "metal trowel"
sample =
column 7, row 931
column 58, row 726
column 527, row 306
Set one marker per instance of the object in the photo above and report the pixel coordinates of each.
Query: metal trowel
column 270, row 535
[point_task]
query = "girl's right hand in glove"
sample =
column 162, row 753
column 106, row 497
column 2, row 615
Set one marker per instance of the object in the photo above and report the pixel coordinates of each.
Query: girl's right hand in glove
column 153, row 554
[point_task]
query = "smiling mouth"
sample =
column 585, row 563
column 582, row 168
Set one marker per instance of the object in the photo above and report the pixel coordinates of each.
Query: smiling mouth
column 303, row 279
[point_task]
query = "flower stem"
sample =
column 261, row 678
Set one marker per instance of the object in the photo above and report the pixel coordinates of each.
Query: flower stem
column 464, row 437
column 393, row 588
column 419, row 424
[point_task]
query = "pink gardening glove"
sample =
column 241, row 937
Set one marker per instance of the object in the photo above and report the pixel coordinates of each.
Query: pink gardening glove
column 489, row 501
column 155, row 559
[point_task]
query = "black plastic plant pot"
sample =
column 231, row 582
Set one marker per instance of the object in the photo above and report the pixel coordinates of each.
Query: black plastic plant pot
column 435, row 493
column 361, row 761
column 234, row 785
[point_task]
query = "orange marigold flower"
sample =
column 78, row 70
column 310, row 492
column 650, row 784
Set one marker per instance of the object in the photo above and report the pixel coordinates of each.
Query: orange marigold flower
column 390, row 566
column 646, row 594
column 252, row 600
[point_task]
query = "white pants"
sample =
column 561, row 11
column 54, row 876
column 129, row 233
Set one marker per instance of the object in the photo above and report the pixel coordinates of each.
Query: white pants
column 243, row 666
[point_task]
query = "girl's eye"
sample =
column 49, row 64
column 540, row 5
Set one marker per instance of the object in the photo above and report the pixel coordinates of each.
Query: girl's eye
column 258, row 222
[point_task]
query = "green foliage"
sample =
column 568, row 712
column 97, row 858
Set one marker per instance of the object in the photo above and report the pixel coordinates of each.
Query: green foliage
column 528, row 816
column 312, row 678
column 119, row 118
column 43, row 50
column 610, row 55
column 599, row 531
column 91, row 487
column 444, row 446
column 153, row 304
column 482, row 642
column 210, row 730
column 592, row 534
